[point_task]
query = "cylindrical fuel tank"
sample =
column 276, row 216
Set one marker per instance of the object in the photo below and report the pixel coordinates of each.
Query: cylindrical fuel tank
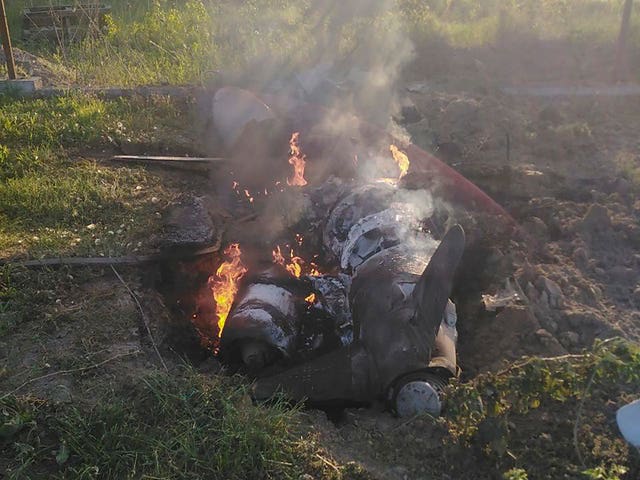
column 262, row 325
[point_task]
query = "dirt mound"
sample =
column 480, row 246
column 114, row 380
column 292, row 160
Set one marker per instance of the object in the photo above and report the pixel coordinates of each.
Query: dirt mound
column 567, row 172
column 52, row 74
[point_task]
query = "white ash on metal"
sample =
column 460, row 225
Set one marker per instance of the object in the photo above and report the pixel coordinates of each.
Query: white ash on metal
column 358, row 204
column 264, row 323
column 380, row 316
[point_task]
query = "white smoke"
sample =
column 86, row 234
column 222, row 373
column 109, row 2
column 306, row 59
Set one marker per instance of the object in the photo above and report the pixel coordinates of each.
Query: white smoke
column 361, row 76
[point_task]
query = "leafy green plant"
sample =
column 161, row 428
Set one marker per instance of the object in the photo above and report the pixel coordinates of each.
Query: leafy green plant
column 165, row 41
column 614, row 472
column 515, row 474
column 485, row 414
column 629, row 166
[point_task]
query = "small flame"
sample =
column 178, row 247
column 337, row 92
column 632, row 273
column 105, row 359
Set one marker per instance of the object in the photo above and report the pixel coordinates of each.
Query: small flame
column 224, row 283
column 298, row 160
column 311, row 298
column 277, row 256
column 296, row 266
column 401, row 159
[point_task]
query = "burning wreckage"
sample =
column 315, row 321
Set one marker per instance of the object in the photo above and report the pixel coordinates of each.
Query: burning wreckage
column 379, row 326
column 385, row 318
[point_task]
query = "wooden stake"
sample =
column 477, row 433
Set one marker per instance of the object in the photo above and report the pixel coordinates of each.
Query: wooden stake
column 621, row 68
column 6, row 42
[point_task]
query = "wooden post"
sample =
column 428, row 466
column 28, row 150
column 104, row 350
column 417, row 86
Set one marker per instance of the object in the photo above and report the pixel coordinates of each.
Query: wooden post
column 620, row 68
column 6, row 42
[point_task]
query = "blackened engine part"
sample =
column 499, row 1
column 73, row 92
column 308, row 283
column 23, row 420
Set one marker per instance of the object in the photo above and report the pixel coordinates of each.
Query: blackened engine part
column 397, row 333
column 417, row 397
column 332, row 297
column 372, row 234
column 255, row 354
column 394, row 335
column 264, row 313
column 360, row 203
column 372, row 218
column 421, row 392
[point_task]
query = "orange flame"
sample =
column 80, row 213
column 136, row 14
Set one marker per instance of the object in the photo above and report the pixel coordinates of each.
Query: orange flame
column 224, row 283
column 298, row 160
column 311, row 298
column 296, row 266
column 401, row 159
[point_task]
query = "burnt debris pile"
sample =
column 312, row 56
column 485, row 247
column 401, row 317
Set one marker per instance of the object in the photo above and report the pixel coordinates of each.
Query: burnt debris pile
column 337, row 291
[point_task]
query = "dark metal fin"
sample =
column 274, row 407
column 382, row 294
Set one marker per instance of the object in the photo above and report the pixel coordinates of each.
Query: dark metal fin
column 434, row 287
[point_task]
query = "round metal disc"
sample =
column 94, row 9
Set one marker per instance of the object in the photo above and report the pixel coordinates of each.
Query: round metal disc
column 418, row 397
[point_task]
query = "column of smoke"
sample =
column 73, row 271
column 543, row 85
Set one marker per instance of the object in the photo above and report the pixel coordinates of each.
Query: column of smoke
column 370, row 71
column 365, row 80
column 370, row 85
column 361, row 78
column 358, row 49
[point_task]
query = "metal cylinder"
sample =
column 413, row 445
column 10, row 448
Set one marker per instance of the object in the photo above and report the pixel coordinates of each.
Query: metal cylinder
column 262, row 325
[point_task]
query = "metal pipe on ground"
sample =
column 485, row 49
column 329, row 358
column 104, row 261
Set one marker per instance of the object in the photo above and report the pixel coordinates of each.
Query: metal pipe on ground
column 6, row 42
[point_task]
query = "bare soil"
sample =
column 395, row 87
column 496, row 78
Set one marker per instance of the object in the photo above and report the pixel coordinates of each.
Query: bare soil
column 566, row 169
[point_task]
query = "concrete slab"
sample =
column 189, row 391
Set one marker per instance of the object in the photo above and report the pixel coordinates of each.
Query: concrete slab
column 21, row 85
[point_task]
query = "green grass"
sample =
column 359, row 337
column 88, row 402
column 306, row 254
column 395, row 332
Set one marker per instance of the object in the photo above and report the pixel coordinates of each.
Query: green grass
column 190, row 425
column 126, row 419
column 76, row 121
column 467, row 23
column 21, row 297
column 179, row 42
column 51, row 200
column 42, row 302
column 184, row 426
